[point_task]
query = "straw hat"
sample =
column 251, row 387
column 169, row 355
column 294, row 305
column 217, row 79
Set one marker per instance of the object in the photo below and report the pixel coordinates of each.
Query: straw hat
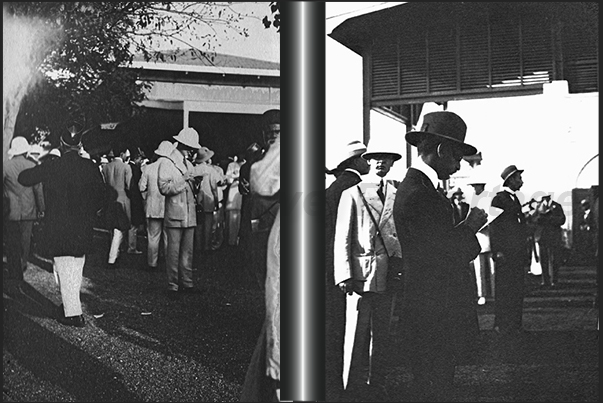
column 351, row 150
column 508, row 172
column 203, row 154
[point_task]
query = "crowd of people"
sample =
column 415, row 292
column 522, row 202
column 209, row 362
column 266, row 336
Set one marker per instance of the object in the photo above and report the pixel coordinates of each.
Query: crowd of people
column 413, row 259
column 186, row 205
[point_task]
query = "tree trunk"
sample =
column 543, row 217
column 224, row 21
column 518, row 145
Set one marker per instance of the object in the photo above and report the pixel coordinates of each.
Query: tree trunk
column 11, row 107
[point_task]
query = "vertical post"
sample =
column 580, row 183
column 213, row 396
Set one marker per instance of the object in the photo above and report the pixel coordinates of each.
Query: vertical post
column 302, row 201
column 366, row 97
column 186, row 110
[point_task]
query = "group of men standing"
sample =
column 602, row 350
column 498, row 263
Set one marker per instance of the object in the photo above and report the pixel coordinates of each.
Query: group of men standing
column 400, row 247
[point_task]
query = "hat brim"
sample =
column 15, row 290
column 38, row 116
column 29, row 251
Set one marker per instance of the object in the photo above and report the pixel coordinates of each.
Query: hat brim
column 164, row 151
column 369, row 155
column 511, row 174
column 187, row 143
column 414, row 137
column 205, row 157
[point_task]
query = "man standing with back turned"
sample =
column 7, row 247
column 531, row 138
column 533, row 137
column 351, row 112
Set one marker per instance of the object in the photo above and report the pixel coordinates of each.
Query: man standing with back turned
column 438, row 310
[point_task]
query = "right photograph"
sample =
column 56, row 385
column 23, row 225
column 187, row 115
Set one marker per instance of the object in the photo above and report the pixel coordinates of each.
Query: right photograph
column 461, row 201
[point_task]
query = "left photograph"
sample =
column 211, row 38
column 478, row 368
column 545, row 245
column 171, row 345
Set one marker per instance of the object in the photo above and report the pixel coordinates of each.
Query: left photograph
column 141, row 201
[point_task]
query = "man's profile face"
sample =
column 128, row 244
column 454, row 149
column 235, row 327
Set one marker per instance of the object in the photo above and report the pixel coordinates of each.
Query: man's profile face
column 450, row 157
column 271, row 133
column 515, row 182
column 381, row 164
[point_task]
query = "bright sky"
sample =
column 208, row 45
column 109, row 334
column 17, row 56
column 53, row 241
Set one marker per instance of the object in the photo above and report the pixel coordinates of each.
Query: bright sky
column 262, row 43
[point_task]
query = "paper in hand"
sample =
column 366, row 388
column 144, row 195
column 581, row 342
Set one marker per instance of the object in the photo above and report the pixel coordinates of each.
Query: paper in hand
column 484, row 202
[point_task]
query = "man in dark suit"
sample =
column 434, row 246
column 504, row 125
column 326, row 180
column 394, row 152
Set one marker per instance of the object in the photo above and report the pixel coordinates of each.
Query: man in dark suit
column 348, row 173
column 76, row 192
column 438, row 314
column 509, row 240
column 550, row 217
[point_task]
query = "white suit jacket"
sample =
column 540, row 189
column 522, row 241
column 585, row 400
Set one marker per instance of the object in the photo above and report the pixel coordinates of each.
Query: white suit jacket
column 359, row 252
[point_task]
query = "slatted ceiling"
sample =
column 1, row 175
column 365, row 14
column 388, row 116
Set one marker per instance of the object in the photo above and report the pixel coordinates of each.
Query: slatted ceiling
column 581, row 63
column 474, row 57
column 537, row 52
column 499, row 48
column 413, row 64
column 442, row 60
column 504, row 53
column 385, row 70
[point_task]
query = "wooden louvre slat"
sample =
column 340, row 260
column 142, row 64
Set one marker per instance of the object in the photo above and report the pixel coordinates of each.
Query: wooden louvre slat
column 474, row 57
column 413, row 64
column 442, row 50
column 537, row 53
column 385, row 70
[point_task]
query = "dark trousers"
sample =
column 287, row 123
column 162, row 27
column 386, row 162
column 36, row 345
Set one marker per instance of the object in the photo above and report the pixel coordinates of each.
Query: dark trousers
column 549, row 261
column 430, row 346
column 334, row 336
column 509, row 285
column 18, row 245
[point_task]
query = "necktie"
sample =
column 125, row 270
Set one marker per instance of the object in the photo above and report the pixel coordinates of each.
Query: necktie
column 380, row 192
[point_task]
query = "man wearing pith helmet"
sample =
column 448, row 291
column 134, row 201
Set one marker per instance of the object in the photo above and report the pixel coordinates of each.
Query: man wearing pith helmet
column 348, row 172
column 365, row 247
column 175, row 177
column 438, row 312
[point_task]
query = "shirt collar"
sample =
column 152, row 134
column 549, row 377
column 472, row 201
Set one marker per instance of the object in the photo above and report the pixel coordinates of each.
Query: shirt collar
column 353, row 171
column 508, row 189
column 420, row 165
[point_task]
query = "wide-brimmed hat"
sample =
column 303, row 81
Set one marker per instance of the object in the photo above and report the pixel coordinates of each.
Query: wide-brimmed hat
column 189, row 137
column 203, row 154
column 351, row 150
column 373, row 152
column 508, row 172
column 443, row 124
column 19, row 145
column 165, row 148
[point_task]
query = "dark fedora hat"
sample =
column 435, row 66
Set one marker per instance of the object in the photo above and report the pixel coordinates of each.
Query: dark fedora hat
column 508, row 171
column 444, row 124
column 72, row 137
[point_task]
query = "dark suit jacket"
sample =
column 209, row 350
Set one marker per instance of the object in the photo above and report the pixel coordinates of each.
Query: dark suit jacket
column 76, row 191
column 438, row 294
column 332, row 196
column 509, row 232
column 551, row 223
column 460, row 216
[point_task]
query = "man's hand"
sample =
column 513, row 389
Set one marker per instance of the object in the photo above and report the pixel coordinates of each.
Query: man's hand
column 347, row 286
column 244, row 186
column 476, row 219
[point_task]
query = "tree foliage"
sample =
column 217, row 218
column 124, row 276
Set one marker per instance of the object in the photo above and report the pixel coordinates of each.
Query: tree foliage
column 276, row 17
column 76, row 61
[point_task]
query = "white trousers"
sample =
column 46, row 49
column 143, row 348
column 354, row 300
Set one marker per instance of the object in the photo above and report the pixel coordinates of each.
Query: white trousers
column 155, row 230
column 68, row 272
column 118, row 236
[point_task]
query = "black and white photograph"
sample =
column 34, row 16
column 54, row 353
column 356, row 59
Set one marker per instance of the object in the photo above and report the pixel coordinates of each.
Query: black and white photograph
column 142, row 201
column 141, row 184
column 461, row 205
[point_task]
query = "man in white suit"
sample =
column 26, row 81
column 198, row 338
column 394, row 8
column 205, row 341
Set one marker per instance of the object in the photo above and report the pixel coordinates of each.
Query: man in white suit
column 365, row 240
